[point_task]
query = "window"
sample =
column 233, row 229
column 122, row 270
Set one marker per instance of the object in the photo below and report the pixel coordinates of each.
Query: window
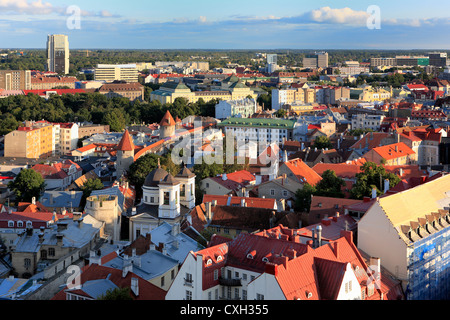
column 162, row 282
column 166, row 198
column 10, row 224
column 19, row 224
column 209, row 295
column 188, row 295
column 259, row 296
column 27, row 263
column 272, row 192
column 29, row 224
column 244, row 276
column 244, row 294
column 236, row 293
column 285, row 193
column 188, row 279
column 172, row 274
column 216, row 294
column 43, row 254
column 51, row 252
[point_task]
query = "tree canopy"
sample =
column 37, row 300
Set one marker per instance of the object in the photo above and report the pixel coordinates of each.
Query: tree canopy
column 372, row 176
column 28, row 184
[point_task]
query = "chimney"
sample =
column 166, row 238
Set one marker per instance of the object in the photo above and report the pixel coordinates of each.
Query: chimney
column 374, row 193
column 336, row 249
column 396, row 148
column 375, row 266
column 208, row 211
column 347, row 235
column 94, row 258
column 319, row 235
column 313, row 236
column 214, row 203
column 41, row 236
column 50, row 198
column 33, row 200
column 76, row 216
column 242, row 202
column 127, row 266
column 135, row 286
column 224, row 177
column 59, row 239
column 175, row 229
column 80, row 222
column 386, row 185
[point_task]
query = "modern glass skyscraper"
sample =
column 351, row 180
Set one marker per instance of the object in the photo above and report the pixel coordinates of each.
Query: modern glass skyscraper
column 58, row 53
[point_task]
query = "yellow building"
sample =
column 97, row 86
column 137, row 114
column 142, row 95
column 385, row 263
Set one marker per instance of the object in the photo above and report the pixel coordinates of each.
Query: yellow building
column 119, row 72
column 29, row 142
column 371, row 94
column 229, row 90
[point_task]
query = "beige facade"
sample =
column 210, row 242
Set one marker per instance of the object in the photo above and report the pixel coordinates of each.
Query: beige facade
column 112, row 72
column 28, row 142
column 15, row 79
column 87, row 131
column 106, row 208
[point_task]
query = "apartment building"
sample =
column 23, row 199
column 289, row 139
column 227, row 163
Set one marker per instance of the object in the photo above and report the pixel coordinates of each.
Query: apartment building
column 367, row 121
column 48, row 83
column 15, row 79
column 116, row 72
column 244, row 108
column 255, row 129
column 281, row 97
column 29, row 142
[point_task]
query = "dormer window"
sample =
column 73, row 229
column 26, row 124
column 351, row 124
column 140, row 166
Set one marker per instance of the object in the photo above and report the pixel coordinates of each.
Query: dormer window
column 10, row 224
column 219, row 258
column 265, row 259
column 249, row 256
column 19, row 224
column 209, row 262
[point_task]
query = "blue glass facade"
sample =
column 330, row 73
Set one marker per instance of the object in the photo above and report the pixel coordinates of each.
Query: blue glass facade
column 429, row 268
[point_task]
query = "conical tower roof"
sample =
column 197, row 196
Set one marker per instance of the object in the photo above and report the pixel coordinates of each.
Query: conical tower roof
column 167, row 120
column 126, row 143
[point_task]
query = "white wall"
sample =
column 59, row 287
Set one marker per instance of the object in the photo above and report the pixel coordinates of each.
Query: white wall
column 267, row 285
column 375, row 234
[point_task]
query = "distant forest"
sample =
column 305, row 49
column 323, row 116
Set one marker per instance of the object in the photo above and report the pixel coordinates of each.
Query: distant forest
column 35, row 59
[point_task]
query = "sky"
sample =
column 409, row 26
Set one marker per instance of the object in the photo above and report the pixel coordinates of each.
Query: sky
column 232, row 24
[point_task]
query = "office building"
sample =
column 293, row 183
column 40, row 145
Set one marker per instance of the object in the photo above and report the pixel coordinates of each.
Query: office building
column 317, row 60
column 438, row 59
column 116, row 72
column 58, row 53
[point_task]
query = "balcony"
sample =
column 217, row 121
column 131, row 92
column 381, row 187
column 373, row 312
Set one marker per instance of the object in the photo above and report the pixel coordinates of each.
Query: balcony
column 230, row 282
column 189, row 282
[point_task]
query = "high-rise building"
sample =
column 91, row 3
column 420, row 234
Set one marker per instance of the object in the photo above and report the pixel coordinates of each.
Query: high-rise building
column 317, row 60
column 58, row 53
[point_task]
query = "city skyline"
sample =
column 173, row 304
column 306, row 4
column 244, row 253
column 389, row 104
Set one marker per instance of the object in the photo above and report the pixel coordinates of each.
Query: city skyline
column 251, row 25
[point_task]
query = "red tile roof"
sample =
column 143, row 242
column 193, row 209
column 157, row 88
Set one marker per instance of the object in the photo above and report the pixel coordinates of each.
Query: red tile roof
column 235, row 180
column 303, row 172
column 126, row 143
column 393, row 151
column 251, row 202
column 167, row 120
column 147, row 291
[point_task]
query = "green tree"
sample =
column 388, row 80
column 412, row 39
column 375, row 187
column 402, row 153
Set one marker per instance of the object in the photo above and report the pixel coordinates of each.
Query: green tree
column 28, row 184
column 303, row 198
column 330, row 185
column 372, row 176
column 140, row 169
column 117, row 294
column 89, row 186
column 322, row 142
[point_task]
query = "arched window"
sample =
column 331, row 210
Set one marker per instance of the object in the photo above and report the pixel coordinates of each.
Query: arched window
column 10, row 224
column 19, row 224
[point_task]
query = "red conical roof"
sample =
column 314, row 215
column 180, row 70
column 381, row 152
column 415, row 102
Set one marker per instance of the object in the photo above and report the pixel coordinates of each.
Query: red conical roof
column 167, row 120
column 126, row 144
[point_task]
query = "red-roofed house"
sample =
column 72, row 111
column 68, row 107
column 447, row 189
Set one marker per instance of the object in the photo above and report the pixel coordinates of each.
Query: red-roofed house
column 251, row 202
column 228, row 183
column 59, row 176
column 394, row 154
column 300, row 172
column 272, row 265
column 96, row 280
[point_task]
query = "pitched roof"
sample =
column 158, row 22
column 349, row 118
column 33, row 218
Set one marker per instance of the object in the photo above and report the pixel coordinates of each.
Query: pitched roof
column 147, row 290
column 303, row 172
column 235, row 180
column 126, row 143
column 251, row 202
column 167, row 120
column 370, row 140
column 393, row 151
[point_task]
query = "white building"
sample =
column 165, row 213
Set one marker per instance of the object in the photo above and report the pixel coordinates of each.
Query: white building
column 367, row 121
column 120, row 72
column 235, row 108
column 275, row 265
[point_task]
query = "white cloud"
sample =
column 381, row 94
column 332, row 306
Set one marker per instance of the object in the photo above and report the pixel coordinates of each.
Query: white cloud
column 338, row 16
column 27, row 7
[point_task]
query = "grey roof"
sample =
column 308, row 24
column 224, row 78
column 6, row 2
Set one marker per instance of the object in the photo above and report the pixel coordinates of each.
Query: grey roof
column 74, row 236
column 152, row 264
column 170, row 180
column 154, row 178
column 97, row 288
column 174, row 85
column 61, row 199
column 185, row 173
column 163, row 234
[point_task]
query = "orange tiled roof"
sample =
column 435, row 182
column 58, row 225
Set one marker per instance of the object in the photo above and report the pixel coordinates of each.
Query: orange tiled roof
column 167, row 120
column 126, row 143
column 393, row 151
column 252, row 202
column 303, row 172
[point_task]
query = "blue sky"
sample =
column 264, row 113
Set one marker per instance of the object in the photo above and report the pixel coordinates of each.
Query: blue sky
column 232, row 24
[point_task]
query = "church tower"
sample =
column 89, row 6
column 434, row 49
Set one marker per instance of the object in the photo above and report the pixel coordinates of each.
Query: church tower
column 187, row 187
column 167, row 126
column 125, row 154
